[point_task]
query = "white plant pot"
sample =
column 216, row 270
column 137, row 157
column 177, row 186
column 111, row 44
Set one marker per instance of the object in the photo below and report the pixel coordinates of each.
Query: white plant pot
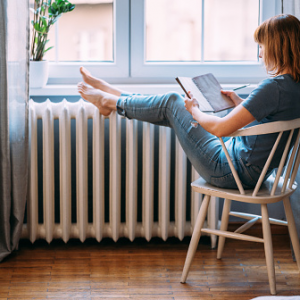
column 38, row 74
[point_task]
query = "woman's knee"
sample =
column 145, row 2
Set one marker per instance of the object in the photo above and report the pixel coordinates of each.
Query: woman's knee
column 173, row 99
column 174, row 96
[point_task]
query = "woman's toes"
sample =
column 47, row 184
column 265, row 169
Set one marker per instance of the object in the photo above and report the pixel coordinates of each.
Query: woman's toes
column 80, row 85
column 87, row 76
column 84, row 71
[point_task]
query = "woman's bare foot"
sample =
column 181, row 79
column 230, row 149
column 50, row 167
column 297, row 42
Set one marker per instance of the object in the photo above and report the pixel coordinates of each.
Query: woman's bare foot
column 105, row 102
column 99, row 83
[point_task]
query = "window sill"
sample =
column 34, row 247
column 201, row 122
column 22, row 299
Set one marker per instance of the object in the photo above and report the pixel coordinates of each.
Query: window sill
column 71, row 90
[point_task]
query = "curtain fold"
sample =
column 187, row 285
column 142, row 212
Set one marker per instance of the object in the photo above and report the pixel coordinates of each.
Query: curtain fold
column 14, row 96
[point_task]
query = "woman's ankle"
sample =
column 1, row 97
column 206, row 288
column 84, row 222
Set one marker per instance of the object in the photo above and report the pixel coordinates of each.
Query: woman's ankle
column 110, row 102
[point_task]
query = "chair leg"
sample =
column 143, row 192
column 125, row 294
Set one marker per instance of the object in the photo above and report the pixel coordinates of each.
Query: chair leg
column 268, row 248
column 195, row 237
column 292, row 229
column 212, row 219
column 224, row 226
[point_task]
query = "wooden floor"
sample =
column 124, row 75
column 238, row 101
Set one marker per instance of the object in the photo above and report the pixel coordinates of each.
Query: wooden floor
column 142, row 270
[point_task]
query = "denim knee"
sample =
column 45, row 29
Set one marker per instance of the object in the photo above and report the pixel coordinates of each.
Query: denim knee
column 173, row 96
column 173, row 100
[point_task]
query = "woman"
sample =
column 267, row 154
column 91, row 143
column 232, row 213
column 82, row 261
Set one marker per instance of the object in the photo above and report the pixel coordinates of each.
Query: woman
column 275, row 99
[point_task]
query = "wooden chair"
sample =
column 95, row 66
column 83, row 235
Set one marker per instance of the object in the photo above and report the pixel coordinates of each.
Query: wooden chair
column 278, row 187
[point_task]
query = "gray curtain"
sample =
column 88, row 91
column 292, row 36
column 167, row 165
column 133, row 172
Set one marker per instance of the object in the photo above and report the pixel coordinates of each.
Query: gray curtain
column 293, row 7
column 14, row 94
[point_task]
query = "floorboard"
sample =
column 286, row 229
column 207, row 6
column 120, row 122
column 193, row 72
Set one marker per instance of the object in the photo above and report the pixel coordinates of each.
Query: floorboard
column 145, row 270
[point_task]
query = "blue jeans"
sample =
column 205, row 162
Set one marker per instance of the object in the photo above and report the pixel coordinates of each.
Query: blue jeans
column 203, row 149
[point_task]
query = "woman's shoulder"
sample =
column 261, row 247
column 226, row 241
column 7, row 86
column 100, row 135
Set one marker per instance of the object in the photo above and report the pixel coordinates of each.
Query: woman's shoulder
column 280, row 80
column 267, row 87
column 279, row 84
column 268, row 83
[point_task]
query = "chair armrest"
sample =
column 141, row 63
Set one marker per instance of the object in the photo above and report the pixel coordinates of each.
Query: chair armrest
column 267, row 128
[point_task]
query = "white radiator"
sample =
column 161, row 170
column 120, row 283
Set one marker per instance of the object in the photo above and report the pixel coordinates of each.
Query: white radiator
column 146, row 227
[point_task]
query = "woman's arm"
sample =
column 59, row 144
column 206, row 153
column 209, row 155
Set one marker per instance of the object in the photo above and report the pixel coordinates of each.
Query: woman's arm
column 236, row 119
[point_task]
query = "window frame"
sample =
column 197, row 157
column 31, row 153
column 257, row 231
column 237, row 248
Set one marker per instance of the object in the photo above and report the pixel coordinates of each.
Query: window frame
column 129, row 64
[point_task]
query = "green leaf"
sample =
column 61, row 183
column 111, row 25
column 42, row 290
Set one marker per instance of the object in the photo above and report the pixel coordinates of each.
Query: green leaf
column 62, row 8
column 48, row 49
column 54, row 6
column 71, row 7
column 44, row 21
column 41, row 29
column 37, row 27
column 51, row 11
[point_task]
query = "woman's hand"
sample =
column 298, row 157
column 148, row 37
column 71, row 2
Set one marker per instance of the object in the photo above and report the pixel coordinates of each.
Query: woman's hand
column 233, row 96
column 190, row 103
column 236, row 119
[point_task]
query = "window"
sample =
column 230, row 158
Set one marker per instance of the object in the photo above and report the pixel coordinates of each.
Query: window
column 134, row 41
column 234, row 68
column 85, row 35
column 196, row 31
column 95, row 34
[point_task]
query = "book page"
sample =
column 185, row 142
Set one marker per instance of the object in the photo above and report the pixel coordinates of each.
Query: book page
column 211, row 90
column 188, row 85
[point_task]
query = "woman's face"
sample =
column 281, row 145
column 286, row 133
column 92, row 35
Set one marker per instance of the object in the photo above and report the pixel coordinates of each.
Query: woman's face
column 261, row 51
column 261, row 55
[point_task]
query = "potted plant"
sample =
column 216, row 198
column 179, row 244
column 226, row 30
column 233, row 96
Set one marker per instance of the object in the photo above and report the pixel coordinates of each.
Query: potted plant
column 45, row 14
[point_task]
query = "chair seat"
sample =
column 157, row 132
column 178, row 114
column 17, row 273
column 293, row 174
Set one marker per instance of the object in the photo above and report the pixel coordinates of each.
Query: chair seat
column 262, row 197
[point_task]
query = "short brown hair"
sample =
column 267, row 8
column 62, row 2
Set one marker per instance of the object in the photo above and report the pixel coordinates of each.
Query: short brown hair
column 280, row 36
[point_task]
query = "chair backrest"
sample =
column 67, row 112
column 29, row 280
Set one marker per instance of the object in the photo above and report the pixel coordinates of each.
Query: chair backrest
column 290, row 158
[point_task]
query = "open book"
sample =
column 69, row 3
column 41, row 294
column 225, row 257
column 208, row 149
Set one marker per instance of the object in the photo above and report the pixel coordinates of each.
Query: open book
column 207, row 90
